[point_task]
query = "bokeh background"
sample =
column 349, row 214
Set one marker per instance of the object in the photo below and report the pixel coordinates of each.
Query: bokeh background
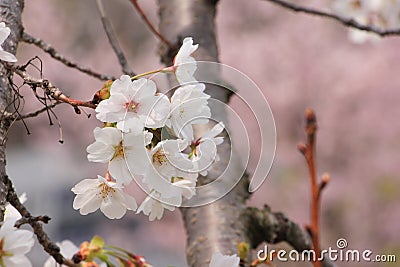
column 298, row 61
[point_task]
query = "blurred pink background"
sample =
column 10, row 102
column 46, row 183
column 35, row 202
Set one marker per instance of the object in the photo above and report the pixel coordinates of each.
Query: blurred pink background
column 298, row 61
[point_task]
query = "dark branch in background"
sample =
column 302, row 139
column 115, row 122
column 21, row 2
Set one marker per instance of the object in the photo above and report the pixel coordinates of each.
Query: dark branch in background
column 35, row 222
column 27, row 38
column 52, row 91
column 113, row 40
column 349, row 22
column 150, row 25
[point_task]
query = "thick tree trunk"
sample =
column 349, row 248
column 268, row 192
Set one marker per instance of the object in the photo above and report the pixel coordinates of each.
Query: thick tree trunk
column 216, row 226
column 10, row 14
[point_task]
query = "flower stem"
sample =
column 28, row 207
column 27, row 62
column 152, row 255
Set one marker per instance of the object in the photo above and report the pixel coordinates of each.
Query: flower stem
column 146, row 74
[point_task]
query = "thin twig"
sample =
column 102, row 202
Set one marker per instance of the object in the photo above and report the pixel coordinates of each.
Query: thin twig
column 349, row 22
column 29, row 220
column 37, row 112
column 150, row 25
column 51, row 248
column 113, row 40
column 27, row 38
column 308, row 150
column 51, row 90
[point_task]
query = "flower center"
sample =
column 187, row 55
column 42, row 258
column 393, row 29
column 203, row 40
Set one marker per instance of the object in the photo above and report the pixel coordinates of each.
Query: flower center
column 181, row 112
column 119, row 151
column 105, row 190
column 132, row 106
column 159, row 158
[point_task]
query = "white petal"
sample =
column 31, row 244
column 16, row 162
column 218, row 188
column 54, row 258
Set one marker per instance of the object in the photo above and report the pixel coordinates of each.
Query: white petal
column 4, row 32
column 6, row 56
column 86, row 204
column 85, row 185
column 17, row 261
column 216, row 130
column 121, row 84
column 19, row 241
column 219, row 260
column 134, row 125
column 119, row 170
column 143, row 88
column 68, row 249
column 112, row 209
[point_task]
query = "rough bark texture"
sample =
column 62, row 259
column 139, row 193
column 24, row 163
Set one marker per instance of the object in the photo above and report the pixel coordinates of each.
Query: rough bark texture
column 10, row 14
column 217, row 226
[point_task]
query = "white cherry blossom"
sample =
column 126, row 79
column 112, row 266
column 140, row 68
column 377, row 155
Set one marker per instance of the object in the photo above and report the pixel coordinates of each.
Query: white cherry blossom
column 170, row 170
column 189, row 105
column 126, row 153
column 154, row 205
column 185, row 65
column 92, row 194
column 14, row 244
column 134, row 105
column 219, row 260
column 204, row 149
column 4, row 33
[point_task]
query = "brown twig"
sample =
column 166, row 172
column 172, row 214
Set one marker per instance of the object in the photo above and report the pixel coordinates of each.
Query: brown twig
column 27, row 38
column 150, row 25
column 37, row 112
column 349, row 22
column 51, row 248
column 29, row 220
column 51, row 90
column 308, row 150
column 113, row 40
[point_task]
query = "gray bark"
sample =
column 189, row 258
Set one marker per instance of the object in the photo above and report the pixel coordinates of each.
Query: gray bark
column 10, row 14
column 216, row 226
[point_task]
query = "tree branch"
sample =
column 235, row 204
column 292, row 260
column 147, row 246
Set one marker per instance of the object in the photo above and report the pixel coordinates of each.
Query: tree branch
column 51, row 90
column 37, row 112
column 150, row 25
column 27, row 38
column 51, row 248
column 113, row 40
column 349, row 22
column 274, row 227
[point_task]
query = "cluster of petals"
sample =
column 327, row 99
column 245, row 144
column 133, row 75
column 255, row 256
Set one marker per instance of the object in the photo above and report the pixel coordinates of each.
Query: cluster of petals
column 382, row 14
column 134, row 105
column 169, row 168
column 92, row 194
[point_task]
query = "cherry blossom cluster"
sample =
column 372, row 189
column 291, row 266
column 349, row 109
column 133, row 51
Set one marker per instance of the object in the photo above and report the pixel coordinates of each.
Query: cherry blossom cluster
column 149, row 137
column 384, row 14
